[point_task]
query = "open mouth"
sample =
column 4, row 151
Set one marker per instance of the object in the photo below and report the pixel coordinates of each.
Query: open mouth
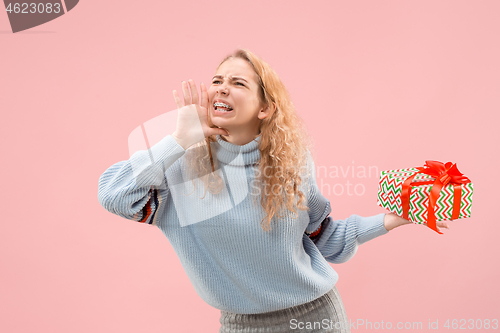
column 222, row 107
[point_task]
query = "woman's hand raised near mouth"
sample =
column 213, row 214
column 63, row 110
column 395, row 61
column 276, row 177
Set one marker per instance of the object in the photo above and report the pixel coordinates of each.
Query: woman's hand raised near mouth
column 192, row 119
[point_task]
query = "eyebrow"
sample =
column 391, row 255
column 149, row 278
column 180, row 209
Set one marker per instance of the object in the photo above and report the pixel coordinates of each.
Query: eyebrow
column 233, row 78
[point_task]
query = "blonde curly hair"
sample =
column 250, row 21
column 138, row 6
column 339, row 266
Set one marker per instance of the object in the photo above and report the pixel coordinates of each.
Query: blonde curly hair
column 283, row 147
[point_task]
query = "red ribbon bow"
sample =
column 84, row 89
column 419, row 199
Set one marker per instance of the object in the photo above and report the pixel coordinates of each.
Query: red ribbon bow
column 444, row 174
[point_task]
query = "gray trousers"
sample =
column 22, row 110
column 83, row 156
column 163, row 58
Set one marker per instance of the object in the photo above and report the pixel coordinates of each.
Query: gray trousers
column 322, row 315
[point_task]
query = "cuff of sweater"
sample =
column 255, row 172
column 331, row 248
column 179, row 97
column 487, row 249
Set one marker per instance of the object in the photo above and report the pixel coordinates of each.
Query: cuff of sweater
column 370, row 227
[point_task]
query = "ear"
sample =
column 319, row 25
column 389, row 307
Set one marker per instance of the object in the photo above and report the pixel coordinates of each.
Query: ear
column 266, row 111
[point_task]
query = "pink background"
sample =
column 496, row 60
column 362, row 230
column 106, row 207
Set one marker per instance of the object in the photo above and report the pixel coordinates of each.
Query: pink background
column 379, row 83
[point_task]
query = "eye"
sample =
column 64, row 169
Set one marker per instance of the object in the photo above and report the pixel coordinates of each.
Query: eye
column 240, row 83
column 215, row 81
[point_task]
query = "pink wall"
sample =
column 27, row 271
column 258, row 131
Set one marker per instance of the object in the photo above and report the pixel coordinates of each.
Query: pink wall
column 388, row 84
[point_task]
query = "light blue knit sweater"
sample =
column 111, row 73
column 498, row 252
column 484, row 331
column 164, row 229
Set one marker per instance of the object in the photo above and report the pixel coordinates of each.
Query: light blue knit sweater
column 233, row 264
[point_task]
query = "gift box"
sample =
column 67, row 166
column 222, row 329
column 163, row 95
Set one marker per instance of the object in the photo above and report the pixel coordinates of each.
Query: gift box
column 424, row 195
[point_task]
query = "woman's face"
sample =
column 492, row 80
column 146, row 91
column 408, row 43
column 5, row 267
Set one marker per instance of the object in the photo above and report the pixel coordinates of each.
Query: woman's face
column 235, row 84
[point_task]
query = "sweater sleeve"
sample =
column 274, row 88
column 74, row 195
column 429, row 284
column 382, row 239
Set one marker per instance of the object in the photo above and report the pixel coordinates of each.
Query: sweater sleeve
column 136, row 188
column 338, row 240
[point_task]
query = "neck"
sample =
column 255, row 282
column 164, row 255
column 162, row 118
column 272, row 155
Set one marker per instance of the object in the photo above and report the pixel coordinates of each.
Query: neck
column 240, row 137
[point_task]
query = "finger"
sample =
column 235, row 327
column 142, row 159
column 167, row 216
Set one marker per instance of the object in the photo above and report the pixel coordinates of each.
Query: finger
column 215, row 131
column 204, row 96
column 187, row 95
column 194, row 92
column 177, row 99
column 443, row 225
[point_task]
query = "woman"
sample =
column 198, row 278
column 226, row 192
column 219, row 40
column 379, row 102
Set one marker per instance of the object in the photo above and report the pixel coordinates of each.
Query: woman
column 242, row 143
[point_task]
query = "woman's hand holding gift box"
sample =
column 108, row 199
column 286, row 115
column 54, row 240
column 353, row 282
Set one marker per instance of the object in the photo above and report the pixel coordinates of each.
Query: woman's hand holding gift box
column 392, row 221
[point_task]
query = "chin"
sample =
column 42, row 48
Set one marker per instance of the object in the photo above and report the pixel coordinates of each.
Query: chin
column 221, row 124
column 218, row 121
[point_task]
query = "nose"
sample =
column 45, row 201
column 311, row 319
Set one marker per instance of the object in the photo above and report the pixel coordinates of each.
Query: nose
column 222, row 89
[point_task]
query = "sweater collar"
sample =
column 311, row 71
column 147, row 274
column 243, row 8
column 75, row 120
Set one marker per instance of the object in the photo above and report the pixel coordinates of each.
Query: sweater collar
column 229, row 153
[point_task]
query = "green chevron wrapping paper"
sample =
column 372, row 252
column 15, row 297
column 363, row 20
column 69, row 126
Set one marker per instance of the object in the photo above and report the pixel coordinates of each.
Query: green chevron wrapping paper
column 389, row 196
